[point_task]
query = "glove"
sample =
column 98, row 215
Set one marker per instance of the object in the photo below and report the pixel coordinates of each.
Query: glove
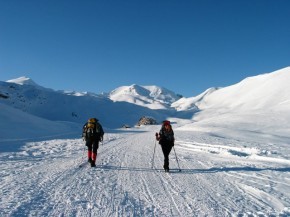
column 157, row 136
column 101, row 138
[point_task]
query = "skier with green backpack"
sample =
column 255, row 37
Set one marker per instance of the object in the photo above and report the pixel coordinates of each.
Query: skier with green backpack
column 92, row 133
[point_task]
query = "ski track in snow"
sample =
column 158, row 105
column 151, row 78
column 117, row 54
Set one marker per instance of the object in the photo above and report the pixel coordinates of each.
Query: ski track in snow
column 219, row 177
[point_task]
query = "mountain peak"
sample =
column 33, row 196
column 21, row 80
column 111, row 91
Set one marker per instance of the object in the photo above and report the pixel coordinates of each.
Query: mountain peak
column 133, row 89
column 23, row 81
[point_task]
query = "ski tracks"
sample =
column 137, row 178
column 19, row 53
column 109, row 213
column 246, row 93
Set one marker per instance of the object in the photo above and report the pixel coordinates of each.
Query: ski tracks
column 46, row 180
column 157, row 191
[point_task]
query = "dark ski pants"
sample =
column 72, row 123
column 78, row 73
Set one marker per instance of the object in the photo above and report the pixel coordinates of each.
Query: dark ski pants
column 166, row 149
column 93, row 145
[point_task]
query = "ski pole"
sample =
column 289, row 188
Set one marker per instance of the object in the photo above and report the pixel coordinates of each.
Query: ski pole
column 153, row 155
column 176, row 159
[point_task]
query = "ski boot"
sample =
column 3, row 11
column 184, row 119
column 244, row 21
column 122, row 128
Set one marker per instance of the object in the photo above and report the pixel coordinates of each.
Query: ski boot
column 166, row 168
column 93, row 163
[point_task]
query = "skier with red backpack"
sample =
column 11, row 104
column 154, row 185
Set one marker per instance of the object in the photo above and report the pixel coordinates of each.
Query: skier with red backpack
column 166, row 140
column 93, row 133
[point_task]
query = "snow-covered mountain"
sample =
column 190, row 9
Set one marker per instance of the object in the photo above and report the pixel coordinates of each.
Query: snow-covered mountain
column 24, row 94
column 262, row 103
column 267, row 92
column 152, row 97
column 262, row 92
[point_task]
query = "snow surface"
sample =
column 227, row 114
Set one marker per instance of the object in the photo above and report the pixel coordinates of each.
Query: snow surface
column 232, row 145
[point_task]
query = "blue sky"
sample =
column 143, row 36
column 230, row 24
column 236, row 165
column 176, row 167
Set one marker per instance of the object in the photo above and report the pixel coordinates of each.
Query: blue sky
column 186, row 46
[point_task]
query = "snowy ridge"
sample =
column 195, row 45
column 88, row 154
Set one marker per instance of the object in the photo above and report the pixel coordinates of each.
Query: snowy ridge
column 259, row 92
column 266, row 91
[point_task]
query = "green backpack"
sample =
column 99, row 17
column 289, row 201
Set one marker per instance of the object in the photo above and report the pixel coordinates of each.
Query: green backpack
column 92, row 129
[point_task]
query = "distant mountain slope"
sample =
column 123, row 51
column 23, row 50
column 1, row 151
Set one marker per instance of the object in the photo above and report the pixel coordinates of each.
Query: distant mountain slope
column 262, row 92
column 16, row 124
column 45, row 103
column 257, row 106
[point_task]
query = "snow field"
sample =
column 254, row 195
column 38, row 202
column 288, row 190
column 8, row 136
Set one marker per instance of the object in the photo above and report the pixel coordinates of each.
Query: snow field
column 219, row 177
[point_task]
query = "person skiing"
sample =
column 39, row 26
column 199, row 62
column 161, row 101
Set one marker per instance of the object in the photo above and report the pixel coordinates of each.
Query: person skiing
column 92, row 133
column 166, row 140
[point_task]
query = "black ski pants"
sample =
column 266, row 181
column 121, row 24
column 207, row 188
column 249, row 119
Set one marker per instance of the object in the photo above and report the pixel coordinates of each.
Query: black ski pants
column 93, row 145
column 166, row 149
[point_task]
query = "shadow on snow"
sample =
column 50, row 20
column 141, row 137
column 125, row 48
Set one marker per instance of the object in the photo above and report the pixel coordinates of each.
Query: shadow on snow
column 194, row 171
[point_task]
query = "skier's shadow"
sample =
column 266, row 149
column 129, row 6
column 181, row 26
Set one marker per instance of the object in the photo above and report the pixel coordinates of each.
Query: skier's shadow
column 193, row 171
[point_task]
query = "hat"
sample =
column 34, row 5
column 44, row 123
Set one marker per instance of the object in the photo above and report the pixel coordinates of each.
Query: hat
column 166, row 122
